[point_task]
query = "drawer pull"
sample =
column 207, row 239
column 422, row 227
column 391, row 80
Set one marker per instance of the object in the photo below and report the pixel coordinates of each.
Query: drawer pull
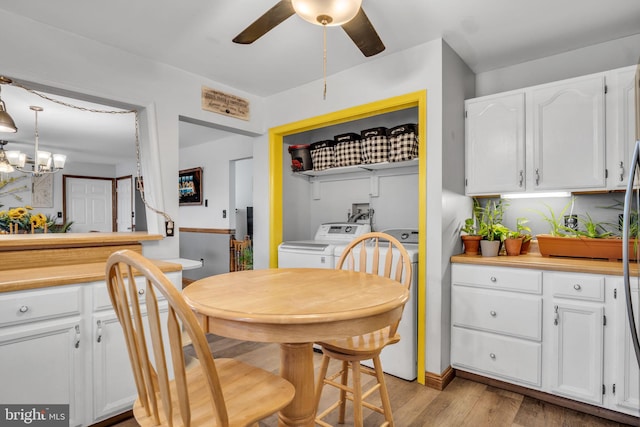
column 24, row 309
column 140, row 291
column 577, row 287
column 492, row 355
column 493, row 313
column 493, row 279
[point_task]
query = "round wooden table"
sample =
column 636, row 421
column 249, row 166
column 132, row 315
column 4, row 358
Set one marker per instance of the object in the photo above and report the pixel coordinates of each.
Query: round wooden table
column 296, row 307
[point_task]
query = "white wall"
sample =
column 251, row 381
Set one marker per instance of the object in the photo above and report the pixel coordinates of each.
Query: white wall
column 63, row 62
column 593, row 59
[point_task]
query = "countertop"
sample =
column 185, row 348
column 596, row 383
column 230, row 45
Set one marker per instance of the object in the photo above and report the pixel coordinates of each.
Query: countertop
column 539, row 262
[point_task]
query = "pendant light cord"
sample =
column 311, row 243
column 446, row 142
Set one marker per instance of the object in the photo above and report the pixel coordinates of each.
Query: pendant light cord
column 324, row 60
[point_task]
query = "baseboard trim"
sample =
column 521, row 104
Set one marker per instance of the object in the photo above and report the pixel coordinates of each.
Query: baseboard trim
column 553, row 399
column 115, row 419
column 439, row 382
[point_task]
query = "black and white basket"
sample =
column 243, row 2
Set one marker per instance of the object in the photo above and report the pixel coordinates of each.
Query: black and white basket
column 403, row 142
column 375, row 145
column 322, row 155
column 347, row 149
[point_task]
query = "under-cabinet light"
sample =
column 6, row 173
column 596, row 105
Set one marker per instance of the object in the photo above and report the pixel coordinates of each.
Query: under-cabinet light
column 535, row 195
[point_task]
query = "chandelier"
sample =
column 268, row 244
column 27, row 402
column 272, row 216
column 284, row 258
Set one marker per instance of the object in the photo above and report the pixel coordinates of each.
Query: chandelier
column 43, row 161
column 5, row 166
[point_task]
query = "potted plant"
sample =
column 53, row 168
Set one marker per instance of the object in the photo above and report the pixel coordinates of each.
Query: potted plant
column 524, row 231
column 471, row 238
column 491, row 228
column 513, row 242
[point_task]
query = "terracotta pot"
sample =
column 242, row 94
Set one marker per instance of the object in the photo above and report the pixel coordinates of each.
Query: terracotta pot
column 584, row 247
column 513, row 246
column 490, row 247
column 524, row 249
column 471, row 244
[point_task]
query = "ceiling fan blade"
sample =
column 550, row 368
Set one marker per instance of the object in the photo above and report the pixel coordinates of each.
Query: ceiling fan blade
column 363, row 34
column 274, row 16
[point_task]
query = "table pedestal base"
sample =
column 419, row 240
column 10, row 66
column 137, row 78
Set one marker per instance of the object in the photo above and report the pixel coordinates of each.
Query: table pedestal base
column 296, row 366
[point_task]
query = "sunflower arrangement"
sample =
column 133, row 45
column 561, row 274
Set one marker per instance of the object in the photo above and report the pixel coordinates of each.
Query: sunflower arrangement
column 24, row 219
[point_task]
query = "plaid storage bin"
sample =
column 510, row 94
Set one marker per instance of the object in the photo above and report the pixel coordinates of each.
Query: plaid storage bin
column 403, row 142
column 375, row 145
column 347, row 149
column 322, row 155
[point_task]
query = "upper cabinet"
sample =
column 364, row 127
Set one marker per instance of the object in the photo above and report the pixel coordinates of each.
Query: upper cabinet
column 552, row 137
column 495, row 144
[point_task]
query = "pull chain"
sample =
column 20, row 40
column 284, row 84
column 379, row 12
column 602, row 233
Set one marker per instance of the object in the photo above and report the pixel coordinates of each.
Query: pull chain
column 324, row 60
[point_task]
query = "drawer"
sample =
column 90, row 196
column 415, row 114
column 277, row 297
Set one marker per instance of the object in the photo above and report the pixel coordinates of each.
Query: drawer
column 512, row 314
column 498, row 356
column 588, row 287
column 101, row 300
column 512, row 279
column 40, row 304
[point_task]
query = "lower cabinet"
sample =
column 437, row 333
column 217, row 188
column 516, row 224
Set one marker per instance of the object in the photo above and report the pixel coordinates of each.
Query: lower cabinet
column 64, row 345
column 556, row 332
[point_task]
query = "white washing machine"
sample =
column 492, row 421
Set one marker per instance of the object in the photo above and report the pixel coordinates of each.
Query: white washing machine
column 401, row 359
column 319, row 252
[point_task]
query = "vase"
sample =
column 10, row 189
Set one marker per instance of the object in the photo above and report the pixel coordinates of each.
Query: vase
column 512, row 246
column 471, row 244
column 489, row 247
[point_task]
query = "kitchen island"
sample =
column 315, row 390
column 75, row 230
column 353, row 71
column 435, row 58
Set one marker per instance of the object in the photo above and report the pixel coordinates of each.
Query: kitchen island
column 60, row 340
column 553, row 328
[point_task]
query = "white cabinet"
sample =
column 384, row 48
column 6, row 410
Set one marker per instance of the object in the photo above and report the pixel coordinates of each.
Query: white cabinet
column 625, row 378
column 620, row 125
column 64, row 345
column 522, row 140
column 42, row 349
column 496, row 318
column 577, row 335
column 562, row 333
column 568, row 125
column 495, row 144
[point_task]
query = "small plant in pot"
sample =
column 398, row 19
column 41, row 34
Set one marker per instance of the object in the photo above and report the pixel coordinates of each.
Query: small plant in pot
column 471, row 238
column 524, row 231
column 513, row 242
column 491, row 228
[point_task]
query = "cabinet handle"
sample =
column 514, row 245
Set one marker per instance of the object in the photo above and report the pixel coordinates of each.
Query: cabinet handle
column 140, row 291
column 77, row 339
column 537, row 176
column 99, row 332
column 493, row 313
column 521, row 178
column 621, row 172
column 577, row 287
column 24, row 309
column 493, row 279
column 492, row 355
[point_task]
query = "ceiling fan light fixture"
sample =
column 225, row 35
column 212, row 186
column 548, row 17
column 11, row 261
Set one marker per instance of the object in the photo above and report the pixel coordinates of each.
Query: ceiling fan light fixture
column 327, row 12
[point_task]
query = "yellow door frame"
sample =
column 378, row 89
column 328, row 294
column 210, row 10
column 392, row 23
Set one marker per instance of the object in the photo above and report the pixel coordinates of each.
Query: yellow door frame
column 276, row 140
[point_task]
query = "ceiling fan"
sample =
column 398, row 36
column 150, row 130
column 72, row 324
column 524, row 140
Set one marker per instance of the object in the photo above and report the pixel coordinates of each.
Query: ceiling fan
column 345, row 13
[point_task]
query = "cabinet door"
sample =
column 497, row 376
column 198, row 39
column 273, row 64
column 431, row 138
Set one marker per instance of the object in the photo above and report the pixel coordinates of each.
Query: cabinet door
column 620, row 125
column 495, row 145
column 627, row 392
column 568, row 135
column 113, row 385
column 577, row 364
column 41, row 364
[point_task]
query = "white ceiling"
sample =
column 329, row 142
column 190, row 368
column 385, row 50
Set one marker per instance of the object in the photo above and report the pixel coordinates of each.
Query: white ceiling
column 196, row 35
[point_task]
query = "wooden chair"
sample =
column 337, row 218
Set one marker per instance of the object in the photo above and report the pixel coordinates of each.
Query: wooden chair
column 351, row 351
column 240, row 254
column 220, row 392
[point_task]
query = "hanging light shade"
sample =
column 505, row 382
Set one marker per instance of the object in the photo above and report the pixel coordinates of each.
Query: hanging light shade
column 6, row 122
column 5, row 166
column 327, row 12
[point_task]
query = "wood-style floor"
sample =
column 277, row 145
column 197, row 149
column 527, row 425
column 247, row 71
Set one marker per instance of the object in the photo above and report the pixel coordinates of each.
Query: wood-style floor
column 462, row 403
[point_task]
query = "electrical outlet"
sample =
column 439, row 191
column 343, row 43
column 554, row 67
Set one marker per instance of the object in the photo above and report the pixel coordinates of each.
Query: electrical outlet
column 571, row 221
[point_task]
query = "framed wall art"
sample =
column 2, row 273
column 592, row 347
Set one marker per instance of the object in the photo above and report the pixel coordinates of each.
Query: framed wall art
column 190, row 186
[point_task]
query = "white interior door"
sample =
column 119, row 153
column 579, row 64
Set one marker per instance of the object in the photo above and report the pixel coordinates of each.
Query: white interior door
column 124, row 197
column 89, row 204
